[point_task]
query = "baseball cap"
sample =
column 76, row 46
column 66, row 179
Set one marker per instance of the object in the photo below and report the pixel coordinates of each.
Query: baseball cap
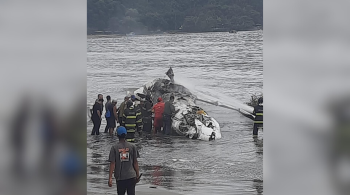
column 121, row 130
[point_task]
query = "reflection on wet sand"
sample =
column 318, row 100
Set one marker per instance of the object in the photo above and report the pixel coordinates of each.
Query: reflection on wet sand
column 258, row 185
column 258, row 142
column 174, row 163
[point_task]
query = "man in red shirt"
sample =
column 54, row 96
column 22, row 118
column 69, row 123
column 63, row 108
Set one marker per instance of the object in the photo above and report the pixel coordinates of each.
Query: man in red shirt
column 158, row 110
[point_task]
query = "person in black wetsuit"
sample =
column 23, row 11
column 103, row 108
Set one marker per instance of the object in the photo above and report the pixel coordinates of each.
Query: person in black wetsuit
column 258, row 113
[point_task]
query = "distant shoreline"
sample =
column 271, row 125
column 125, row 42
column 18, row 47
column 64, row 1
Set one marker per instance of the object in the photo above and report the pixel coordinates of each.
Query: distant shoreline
column 101, row 35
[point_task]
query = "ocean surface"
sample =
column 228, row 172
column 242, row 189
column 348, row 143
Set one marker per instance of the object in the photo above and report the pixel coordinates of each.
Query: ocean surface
column 223, row 66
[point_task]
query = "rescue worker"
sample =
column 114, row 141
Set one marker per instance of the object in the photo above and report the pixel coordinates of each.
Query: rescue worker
column 169, row 110
column 134, row 100
column 158, row 110
column 121, row 109
column 147, row 115
column 170, row 74
column 258, row 113
column 140, row 106
column 132, row 121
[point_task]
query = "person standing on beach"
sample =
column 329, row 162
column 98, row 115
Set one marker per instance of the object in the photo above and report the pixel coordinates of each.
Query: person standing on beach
column 147, row 115
column 158, row 110
column 108, row 114
column 132, row 121
column 113, row 116
column 121, row 110
column 258, row 113
column 169, row 110
column 124, row 164
column 97, row 116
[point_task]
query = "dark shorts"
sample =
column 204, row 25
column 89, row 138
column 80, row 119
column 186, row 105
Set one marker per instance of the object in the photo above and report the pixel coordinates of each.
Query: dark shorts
column 111, row 122
column 127, row 185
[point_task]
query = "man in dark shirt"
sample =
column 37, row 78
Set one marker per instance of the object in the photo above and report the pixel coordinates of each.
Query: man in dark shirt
column 97, row 116
column 147, row 114
column 258, row 113
column 123, row 161
column 169, row 110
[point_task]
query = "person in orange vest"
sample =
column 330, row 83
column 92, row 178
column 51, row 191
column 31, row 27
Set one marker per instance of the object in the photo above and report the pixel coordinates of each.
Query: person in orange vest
column 158, row 110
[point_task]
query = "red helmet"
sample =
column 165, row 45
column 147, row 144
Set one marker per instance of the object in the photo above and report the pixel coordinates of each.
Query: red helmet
column 160, row 99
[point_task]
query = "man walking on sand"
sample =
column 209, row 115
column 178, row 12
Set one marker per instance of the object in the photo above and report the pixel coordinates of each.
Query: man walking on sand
column 123, row 161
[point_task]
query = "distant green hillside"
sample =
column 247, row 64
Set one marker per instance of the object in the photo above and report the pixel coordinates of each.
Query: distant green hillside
column 144, row 16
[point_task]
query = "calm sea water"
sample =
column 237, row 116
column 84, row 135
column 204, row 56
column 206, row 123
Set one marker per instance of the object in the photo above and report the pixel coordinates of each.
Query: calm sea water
column 226, row 66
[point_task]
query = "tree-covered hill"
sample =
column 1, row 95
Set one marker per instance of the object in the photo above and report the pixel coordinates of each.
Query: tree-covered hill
column 144, row 16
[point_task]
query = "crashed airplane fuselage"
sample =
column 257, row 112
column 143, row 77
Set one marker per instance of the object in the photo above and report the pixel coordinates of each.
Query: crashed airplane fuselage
column 189, row 119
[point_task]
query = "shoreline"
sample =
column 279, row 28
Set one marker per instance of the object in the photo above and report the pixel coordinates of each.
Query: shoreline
column 124, row 35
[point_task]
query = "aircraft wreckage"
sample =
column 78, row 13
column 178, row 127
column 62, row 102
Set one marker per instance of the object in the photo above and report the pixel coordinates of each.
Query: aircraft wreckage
column 189, row 120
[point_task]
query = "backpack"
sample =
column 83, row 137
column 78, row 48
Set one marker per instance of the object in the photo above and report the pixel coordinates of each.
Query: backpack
column 108, row 114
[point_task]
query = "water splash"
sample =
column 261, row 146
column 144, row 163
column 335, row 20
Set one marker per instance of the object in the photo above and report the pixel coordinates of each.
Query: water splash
column 212, row 96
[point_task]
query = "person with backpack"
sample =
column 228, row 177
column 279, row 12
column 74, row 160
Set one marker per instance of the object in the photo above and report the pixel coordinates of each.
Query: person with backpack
column 108, row 113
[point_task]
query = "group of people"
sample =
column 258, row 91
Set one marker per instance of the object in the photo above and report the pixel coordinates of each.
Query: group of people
column 123, row 155
column 136, row 115
column 96, row 114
